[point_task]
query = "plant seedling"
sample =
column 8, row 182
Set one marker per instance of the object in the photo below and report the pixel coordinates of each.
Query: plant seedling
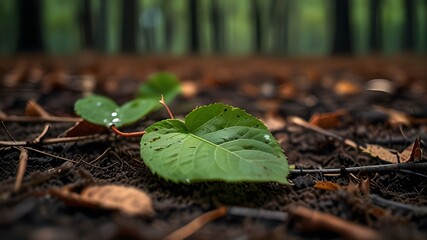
column 216, row 142
column 101, row 110
column 104, row 111
column 163, row 83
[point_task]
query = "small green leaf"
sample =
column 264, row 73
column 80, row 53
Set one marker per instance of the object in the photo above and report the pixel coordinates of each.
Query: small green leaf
column 216, row 142
column 163, row 83
column 104, row 111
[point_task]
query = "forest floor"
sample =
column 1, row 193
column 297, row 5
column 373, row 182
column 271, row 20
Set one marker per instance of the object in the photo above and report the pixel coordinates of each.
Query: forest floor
column 326, row 113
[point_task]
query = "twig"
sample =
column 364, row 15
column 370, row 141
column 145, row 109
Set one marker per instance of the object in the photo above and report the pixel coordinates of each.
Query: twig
column 371, row 168
column 51, row 155
column 196, row 224
column 258, row 213
column 7, row 132
column 23, row 159
column 55, row 140
column 39, row 119
column 123, row 134
column 302, row 123
column 41, row 135
column 66, row 159
column 397, row 205
column 315, row 220
column 100, row 156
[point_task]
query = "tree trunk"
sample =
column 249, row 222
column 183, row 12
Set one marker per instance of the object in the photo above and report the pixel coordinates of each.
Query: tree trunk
column 408, row 35
column 129, row 20
column 279, row 10
column 256, row 16
column 167, row 10
column 29, row 28
column 86, row 24
column 375, row 28
column 218, row 31
column 342, row 36
column 194, row 31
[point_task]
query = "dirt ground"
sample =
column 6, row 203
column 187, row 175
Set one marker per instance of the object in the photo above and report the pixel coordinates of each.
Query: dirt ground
column 391, row 113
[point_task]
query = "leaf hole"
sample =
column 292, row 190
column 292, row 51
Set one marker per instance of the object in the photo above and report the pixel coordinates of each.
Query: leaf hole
column 154, row 139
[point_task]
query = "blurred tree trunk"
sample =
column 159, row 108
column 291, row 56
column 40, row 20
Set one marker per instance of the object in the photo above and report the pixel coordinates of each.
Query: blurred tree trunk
column 86, row 24
column 30, row 37
column 218, row 31
column 279, row 21
column 256, row 17
column 167, row 14
column 342, row 36
column 129, row 21
column 194, row 31
column 375, row 28
column 408, row 36
column 101, row 28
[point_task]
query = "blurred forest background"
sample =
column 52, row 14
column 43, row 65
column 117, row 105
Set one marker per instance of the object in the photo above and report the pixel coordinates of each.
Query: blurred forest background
column 220, row 27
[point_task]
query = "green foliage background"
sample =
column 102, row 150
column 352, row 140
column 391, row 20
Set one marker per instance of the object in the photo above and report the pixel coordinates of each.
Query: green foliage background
column 308, row 27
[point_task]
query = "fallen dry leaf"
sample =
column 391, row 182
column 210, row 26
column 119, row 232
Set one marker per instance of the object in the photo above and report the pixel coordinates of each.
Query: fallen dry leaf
column 328, row 120
column 128, row 200
column 288, row 91
column 346, row 87
column 35, row 110
column 412, row 153
column 189, row 89
column 381, row 153
column 273, row 121
column 84, row 128
column 251, row 90
column 327, row 185
column 3, row 115
column 395, row 118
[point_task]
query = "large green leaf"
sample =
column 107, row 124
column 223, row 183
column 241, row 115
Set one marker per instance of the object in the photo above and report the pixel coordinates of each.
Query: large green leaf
column 104, row 111
column 163, row 83
column 216, row 142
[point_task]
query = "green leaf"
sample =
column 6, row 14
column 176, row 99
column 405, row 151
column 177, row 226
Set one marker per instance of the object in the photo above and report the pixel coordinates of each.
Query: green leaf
column 104, row 111
column 216, row 142
column 163, row 83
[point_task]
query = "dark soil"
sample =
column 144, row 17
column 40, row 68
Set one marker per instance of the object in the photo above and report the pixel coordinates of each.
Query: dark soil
column 263, row 87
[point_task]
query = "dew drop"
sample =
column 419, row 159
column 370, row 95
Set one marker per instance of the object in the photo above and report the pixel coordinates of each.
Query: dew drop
column 114, row 114
column 116, row 120
column 267, row 138
column 98, row 104
column 187, row 180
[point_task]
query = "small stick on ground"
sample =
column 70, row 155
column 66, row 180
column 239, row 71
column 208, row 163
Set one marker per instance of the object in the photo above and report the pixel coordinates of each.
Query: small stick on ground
column 41, row 135
column 23, row 159
column 55, row 140
column 394, row 167
column 7, row 132
column 196, row 224
column 123, row 134
column 39, row 119
column 258, row 213
column 315, row 220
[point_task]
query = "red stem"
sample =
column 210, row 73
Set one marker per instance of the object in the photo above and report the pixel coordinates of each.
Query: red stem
column 162, row 101
column 123, row 134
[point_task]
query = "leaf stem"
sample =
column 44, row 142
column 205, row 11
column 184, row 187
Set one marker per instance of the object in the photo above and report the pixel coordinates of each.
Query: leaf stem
column 162, row 101
column 123, row 134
